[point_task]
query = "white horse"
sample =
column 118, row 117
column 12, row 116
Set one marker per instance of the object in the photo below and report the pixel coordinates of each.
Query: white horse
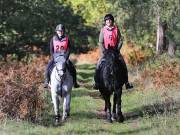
column 61, row 84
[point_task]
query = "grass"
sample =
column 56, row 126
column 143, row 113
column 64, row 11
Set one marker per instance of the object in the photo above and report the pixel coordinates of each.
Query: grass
column 146, row 113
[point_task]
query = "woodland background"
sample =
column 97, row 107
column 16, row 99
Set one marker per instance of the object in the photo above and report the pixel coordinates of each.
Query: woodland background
column 151, row 49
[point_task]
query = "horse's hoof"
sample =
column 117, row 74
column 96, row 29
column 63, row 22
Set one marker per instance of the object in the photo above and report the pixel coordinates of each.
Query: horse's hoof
column 57, row 120
column 120, row 119
column 57, row 123
column 113, row 117
column 64, row 118
column 109, row 120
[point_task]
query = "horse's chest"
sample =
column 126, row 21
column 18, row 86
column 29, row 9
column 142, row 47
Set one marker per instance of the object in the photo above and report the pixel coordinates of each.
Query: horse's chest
column 61, row 85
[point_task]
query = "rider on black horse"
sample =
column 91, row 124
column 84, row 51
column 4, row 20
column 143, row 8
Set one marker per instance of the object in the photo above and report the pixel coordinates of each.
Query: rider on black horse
column 110, row 36
column 58, row 42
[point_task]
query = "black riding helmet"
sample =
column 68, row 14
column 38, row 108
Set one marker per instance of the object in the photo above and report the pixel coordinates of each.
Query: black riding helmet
column 60, row 27
column 109, row 17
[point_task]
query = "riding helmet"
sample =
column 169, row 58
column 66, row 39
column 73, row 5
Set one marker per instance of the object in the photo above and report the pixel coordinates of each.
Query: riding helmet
column 60, row 27
column 109, row 17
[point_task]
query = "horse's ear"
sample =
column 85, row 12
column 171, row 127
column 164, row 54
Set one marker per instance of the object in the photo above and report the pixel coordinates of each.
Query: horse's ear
column 105, row 49
column 109, row 46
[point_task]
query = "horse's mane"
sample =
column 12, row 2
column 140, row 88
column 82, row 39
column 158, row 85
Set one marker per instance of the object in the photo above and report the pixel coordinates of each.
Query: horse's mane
column 110, row 70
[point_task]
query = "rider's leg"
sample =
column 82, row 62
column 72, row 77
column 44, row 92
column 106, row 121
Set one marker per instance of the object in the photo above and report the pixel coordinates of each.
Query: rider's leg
column 124, row 67
column 47, row 76
column 72, row 71
column 97, row 74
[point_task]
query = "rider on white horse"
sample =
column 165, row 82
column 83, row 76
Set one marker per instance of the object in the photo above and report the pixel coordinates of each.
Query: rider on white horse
column 61, row 83
column 60, row 42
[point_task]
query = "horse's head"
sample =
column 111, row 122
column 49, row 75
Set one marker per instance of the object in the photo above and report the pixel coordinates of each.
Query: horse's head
column 60, row 65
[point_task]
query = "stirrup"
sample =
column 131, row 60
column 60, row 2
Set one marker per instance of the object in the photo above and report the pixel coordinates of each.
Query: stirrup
column 45, row 85
column 129, row 86
column 76, row 85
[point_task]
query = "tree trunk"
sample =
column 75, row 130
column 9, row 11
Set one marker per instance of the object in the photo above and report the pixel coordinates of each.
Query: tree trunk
column 161, row 39
column 171, row 48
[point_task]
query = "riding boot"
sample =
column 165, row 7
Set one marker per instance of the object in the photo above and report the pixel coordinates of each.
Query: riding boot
column 47, row 74
column 76, row 85
column 73, row 73
column 127, row 84
column 96, row 79
column 46, row 82
column 124, row 67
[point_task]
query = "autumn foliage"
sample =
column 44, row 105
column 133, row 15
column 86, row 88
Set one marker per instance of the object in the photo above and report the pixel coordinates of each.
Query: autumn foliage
column 165, row 75
column 20, row 94
column 131, row 54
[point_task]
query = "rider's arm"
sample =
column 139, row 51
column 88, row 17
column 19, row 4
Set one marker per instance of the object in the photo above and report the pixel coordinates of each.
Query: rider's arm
column 67, row 53
column 51, row 47
column 120, row 40
column 101, row 41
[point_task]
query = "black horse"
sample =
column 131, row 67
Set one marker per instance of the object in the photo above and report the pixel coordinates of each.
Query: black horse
column 111, row 81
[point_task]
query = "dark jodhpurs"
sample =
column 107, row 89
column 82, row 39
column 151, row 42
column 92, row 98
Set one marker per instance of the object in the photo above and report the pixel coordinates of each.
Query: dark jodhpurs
column 70, row 67
column 122, row 64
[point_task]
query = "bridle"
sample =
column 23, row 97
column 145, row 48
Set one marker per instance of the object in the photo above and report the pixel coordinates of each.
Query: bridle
column 61, row 73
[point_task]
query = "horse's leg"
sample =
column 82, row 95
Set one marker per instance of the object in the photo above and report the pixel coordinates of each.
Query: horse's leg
column 120, row 117
column 114, row 106
column 108, row 105
column 105, row 107
column 56, row 103
column 66, row 106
